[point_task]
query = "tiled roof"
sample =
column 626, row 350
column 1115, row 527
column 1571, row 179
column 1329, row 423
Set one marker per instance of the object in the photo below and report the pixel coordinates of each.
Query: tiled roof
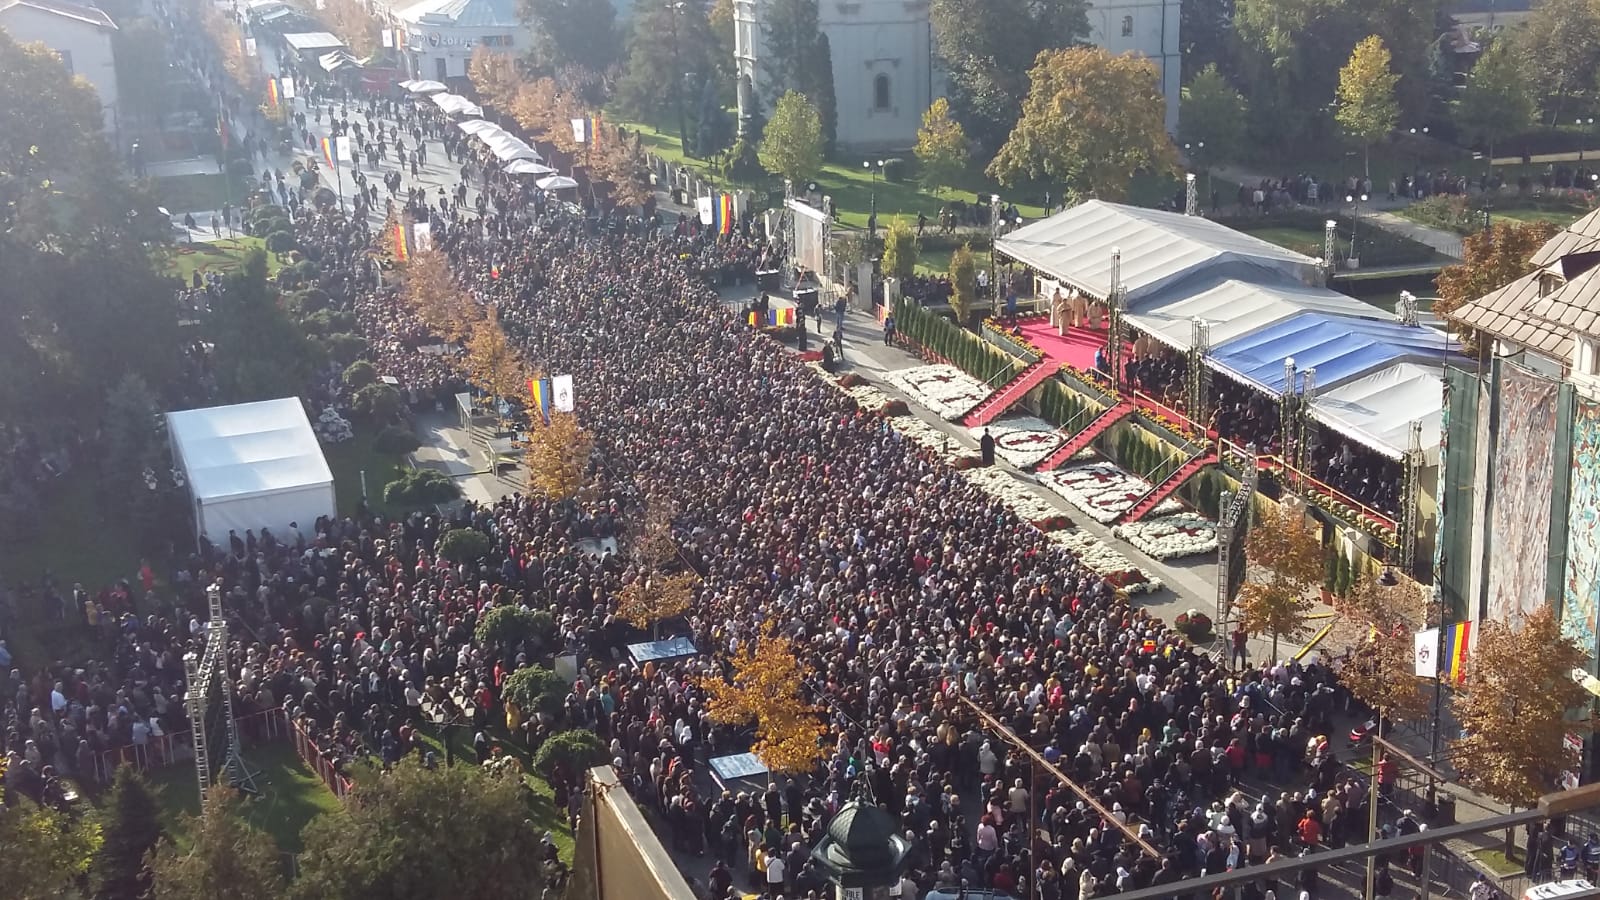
column 81, row 12
column 1575, row 306
column 1504, row 313
column 1562, row 244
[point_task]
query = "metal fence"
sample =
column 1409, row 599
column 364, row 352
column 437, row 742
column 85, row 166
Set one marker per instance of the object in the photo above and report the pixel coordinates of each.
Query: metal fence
column 178, row 747
column 312, row 756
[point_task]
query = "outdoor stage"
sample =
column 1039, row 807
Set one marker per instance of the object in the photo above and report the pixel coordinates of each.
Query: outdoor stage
column 1076, row 348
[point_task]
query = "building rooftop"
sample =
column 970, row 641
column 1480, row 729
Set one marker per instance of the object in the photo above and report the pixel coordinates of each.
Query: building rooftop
column 80, row 12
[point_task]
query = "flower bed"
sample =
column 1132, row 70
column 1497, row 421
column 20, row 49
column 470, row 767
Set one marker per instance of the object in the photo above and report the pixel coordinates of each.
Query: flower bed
column 1023, row 441
column 948, row 391
column 1170, row 537
column 1106, row 562
column 1028, row 506
column 924, row 435
column 1103, row 491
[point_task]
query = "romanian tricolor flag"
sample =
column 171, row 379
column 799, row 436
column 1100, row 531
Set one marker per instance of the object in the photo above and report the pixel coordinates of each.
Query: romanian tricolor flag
column 494, row 271
column 782, row 318
column 402, row 241
column 272, row 91
column 327, row 152
column 593, row 124
column 1456, row 640
column 539, row 391
column 725, row 214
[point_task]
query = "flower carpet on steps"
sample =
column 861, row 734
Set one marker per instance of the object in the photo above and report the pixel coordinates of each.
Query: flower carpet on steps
column 1023, row 441
column 1103, row 491
column 946, row 390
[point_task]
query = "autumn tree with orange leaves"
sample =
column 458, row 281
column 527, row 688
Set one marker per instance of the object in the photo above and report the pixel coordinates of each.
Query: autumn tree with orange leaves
column 655, row 597
column 431, row 290
column 1286, row 566
column 1514, row 708
column 557, row 457
column 1379, row 621
column 493, row 364
column 1490, row 260
column 764, row 688
column 495, row 77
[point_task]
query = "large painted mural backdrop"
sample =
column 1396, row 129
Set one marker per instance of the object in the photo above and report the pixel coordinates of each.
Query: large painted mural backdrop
column 1519, row 537
column 1579, row 607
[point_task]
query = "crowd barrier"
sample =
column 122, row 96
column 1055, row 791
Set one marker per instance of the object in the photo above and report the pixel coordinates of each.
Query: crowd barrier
column 178, row 747
column 312, row 756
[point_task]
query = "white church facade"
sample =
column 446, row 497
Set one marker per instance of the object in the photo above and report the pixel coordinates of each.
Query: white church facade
column 885, row 74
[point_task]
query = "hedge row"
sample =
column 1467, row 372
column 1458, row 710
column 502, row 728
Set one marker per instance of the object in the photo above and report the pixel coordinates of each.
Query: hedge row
column 964, row 350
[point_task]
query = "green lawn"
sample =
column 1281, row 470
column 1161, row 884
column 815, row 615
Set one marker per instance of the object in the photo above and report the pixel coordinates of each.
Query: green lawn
column 348, row 460
column 1559, row 217
column 1495, row 861
column 221, row 256
column 937, row 262
column 291, row 795
column 195, row 193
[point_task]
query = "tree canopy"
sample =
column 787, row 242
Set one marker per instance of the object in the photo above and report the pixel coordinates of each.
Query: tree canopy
column 987, row 47
column 1490, row 260
column 941, row 147
column 420, row 834
column 1213, row 114
column 227, row 858
column 791, row 146
column 1090, row 121
column 1367, row 109
column 765, row 688
column 572, row 34
column 1497, row 102
column 1286, row 562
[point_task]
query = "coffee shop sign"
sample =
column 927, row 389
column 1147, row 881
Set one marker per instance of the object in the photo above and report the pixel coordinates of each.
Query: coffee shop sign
column 435, row 39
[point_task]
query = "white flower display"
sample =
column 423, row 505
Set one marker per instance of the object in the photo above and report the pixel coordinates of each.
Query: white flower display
column 1023, row 441
column 1170, row 537
column 332, row 428
column 1003, row 486
column 867, row 397
column 1104, row 561
column 924, row 435
column 948, row 391
column 1103, row 491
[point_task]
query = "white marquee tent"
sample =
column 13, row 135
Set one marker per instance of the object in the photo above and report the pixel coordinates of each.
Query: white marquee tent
column 251, row 465
column 1378, row 410
column 1235, row 308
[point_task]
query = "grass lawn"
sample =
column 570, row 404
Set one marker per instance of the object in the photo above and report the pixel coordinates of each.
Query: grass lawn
column 851, row 186
column 937, row 262
column 1495, row 861
column 348, row 460
column 291, row 795
column 196, row 193
column 221, row 256
column 1560, row 218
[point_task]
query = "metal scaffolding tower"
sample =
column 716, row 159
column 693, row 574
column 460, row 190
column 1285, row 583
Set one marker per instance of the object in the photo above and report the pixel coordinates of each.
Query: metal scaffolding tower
column 1199, row 381
column 205, row 671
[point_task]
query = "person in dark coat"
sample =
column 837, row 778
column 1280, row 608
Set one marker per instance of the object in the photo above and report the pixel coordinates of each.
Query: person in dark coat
column 986, row 445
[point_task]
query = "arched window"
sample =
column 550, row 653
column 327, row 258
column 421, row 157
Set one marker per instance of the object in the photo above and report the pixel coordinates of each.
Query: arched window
column 880, row 92
column 1127, row 26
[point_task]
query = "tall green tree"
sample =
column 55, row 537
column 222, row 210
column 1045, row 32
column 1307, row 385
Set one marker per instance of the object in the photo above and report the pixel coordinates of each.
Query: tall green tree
column 799, row 58
column 1498, row 102
column 258, row 348
column 131, row 828
column 143, row 69
column 416, row 834
column 1091, row 120
column 988, row 46
column 1560, row 41
column 1212, row 113
column 227, row 857
column 579, row 34
column 963, row 284
column 942, row 147
column 1207, row 38
column 899, row 249
column 668, row 41
column 1366, row 107
column 791, row 144
column 81, row 300
column 819, row 87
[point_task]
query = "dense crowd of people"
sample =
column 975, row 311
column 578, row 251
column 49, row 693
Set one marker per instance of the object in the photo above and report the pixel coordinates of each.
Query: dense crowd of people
column 905, row 587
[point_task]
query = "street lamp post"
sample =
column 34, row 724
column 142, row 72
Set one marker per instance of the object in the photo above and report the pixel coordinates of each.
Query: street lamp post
column 1422, row 132
column 1194, row 153
column 1584, row 127
column 1355, row 201
column 876, row 168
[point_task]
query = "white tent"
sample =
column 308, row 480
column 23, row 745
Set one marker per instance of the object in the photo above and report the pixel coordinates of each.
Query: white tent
column 1235, row 308
column 1158, row 250
column 457, row 105
column 556, row 183
column 1378, row 410
column 251, row 466
column 312, row 40
column 507, row 148
column 423, row 87
column 478, row 126
column 527, row 167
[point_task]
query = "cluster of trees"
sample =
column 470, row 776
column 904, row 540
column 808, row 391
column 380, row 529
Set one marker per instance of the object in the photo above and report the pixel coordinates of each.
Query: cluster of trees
column 764, row 684
column 1514, row 703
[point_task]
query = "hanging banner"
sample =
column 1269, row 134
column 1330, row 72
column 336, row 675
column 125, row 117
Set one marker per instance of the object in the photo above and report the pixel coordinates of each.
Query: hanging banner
column 288, row 88
column 1426, row 648
column 579, row 130
column 250, row 46
column 341, row 150
column 561, row 385
column 388, row 38
column 704, row 205
column 422, row 236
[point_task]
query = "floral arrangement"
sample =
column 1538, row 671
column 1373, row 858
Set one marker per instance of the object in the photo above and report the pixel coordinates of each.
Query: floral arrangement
column 1024, row 441
column 850, row 380
column 1178, row 428
column 1028, row 506
column 1103, row 491
column 946, row 390
column 1014, row 336
column 1195, row 625
column 896, row 408
column 1352, row 515
column 1170, row 537
column 1106, row 562
column 502, row 763
column 924, row 435
column 332, row 428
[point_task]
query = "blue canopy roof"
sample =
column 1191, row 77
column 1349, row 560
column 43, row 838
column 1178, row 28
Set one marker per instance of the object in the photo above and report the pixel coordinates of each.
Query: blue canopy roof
column 1341, row 348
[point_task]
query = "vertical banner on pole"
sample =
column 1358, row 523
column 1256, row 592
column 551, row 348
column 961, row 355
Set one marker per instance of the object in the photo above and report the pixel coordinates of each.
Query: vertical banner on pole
column 287, row 85
column 341, row 150
column 580, row 128
column 422, row 236
column 388, row 38
column 250, row 46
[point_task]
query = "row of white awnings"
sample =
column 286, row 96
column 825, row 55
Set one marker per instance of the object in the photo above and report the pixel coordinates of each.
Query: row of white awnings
column 520, row 159
column 457, row 105
column 422, row 86
column 337, row 61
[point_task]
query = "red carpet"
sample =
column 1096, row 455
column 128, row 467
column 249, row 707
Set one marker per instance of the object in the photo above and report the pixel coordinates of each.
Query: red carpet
column 1076, row 348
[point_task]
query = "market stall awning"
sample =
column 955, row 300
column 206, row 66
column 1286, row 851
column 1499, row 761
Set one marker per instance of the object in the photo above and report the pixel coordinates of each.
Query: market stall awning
column 423, row 86
column 337, row 60
column 457, row 105
column 313, row 40
column 1158, row 249
column 1340, row 348
column 1235, row 308
column 527, row 167
column 507, row 148
column 1377, row 410
column 478, row 126
column 556, row 183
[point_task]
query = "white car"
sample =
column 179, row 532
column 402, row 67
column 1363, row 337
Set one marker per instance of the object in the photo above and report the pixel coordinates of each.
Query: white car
column 1557, row 889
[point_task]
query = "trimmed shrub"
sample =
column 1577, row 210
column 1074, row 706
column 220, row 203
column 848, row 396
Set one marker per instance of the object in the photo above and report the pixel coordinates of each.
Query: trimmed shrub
column 421, row 487
column 462, row 545
column 570, row 752
column 358, row 375
column 396, row 441
column 530, row 688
